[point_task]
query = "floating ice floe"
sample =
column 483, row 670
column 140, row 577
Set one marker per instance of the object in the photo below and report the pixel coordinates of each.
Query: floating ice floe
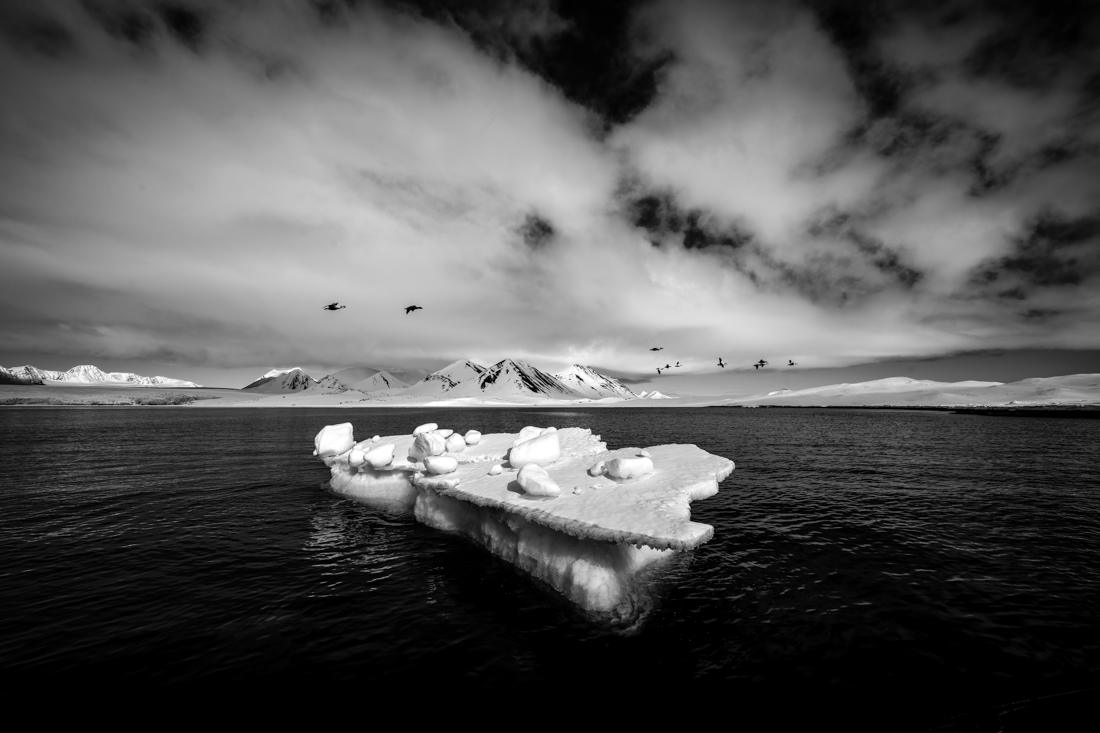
column 595, row 543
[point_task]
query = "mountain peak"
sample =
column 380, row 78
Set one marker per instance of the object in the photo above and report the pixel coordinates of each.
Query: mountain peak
column 590, row 383
column 509, row 376
column 291, row 380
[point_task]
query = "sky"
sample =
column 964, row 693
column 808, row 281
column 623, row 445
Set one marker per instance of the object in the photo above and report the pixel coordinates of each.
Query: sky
column 869, row 189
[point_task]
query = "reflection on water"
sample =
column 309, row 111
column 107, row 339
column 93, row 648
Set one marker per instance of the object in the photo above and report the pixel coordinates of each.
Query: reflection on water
column 865, row 563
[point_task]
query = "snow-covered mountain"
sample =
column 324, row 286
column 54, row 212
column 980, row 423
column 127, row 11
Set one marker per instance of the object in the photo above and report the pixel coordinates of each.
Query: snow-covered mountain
column 289, row 381
column 446, row 379
column 461, row 379
column 26, row 375
column 351, row 375
column 509, row 378
column 589, row 383
column 378, row 381
column 86, row 374
column 276, row 372
column 330, row 382
column 654, row 395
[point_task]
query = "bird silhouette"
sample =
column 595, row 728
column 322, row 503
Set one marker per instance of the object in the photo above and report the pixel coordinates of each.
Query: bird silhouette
column 333, row 307
column 658, row 370
column 677, row 363
column 668, row 366
column 720, row 363
column 790, row 363
column 411, row 308
column 756, row 365
column 760, row 363
column 657, row 348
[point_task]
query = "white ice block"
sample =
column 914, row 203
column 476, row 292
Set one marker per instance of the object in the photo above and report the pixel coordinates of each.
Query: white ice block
column 591, row 542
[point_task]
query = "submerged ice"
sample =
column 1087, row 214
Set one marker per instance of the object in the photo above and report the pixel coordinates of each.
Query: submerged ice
column 556, row 503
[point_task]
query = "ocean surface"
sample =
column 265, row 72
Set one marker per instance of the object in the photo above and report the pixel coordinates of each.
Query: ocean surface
column 888, row 570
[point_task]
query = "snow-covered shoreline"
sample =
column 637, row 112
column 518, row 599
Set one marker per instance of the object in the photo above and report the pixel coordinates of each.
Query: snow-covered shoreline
column 898, row 392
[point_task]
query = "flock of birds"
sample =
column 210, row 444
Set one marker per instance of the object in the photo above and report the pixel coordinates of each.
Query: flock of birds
column 336, row 306
column 758, row 365
column 410, row 308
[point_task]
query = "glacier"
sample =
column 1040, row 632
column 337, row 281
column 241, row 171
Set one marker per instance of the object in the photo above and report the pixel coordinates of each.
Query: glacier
column 615, row 516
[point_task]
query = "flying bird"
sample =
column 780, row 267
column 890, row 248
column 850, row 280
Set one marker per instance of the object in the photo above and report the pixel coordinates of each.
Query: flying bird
column 411, row 308
column 677, row 363
column 668, row 366
column 658, row 370
column 790, row 363
column 333, row 307
column 657, row 348
column 720, row 363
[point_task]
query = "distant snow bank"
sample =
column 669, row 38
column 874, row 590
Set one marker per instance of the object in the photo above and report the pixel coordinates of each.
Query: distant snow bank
column 585, row 520
column 86, row 374
column 904, row 391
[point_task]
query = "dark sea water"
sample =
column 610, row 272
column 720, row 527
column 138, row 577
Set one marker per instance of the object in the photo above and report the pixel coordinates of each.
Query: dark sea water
column 886, row 570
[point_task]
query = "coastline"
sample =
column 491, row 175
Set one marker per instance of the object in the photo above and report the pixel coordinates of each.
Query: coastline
column 1071, row 396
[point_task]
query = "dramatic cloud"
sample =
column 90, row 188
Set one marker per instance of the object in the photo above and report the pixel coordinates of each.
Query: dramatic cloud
column 834, row 183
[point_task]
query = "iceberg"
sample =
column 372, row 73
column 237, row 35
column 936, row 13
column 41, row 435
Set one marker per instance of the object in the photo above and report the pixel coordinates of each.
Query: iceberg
column 594, row 536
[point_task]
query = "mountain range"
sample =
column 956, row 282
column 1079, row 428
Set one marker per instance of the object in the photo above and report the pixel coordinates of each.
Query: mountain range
column 508, row 378
column 86, row 374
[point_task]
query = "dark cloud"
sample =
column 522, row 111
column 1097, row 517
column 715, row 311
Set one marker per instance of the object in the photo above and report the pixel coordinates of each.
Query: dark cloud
column 854, row 26
column 186, row 24
column 846, row 227
column 536, row 231
column 35, row 30
column 588, row 50
column 661, row 217
column 131, row 22
column 1053, row 251
column 1031, row 43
